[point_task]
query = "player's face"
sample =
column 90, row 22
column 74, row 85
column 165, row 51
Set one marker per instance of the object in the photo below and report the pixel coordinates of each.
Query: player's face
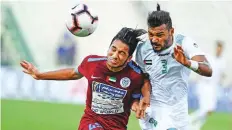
column 118, row 54
column 160, row 37
column 219, row 50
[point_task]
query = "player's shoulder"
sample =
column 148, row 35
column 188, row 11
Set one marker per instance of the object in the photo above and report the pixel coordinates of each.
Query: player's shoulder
column 144, row 43
column 179, row 38
column 183, row 40
column 134, row 67
column 95, row 58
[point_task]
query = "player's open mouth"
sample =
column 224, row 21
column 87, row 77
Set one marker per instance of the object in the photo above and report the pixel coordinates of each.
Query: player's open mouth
column 113, row 61
column 156, row 47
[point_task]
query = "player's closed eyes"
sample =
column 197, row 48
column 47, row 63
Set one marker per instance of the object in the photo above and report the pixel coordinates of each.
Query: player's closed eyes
column 159, row 35
column 151, row 35
column 113, row 49
column 122, row 53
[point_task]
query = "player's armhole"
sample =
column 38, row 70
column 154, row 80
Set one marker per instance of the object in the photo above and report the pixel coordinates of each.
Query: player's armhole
column 83, row 67
column 145, row 76
column 76, row 71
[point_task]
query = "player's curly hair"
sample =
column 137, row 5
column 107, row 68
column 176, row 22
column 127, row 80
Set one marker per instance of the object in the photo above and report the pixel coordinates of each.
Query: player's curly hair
column 159, row 17
column 130, row 37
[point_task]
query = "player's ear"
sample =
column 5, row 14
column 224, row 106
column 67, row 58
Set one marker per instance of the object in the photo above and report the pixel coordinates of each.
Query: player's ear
column 172, row 31
column 129, row 59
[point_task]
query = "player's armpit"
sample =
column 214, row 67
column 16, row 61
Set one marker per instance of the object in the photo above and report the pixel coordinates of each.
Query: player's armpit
column 146, row 76
column 204, row 67
column 77, row 74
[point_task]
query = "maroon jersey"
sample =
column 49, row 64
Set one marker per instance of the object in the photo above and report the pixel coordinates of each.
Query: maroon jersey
column 110, row 94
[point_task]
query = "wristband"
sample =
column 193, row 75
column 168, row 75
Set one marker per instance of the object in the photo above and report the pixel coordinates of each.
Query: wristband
column 194, row 65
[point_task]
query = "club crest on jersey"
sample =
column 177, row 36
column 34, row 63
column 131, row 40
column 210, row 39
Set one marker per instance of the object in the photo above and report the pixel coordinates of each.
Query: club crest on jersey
column 147, row 62
column 125, row 82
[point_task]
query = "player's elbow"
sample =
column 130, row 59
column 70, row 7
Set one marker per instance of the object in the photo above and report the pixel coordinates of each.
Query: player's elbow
column 208, row 73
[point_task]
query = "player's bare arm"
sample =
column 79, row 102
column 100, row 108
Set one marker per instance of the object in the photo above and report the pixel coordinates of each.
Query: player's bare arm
column 146, row 91
column 198, row 63
column 139, row 107
column 63, row 74
column 145, row 101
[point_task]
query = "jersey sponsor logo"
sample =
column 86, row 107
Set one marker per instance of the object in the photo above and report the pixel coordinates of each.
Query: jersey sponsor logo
column 107, row 99
column 125, row 82
column 164, row 66
column 93, row 77
column 95, row 126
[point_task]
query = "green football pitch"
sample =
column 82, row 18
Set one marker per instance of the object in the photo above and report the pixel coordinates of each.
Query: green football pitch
column 28, row 115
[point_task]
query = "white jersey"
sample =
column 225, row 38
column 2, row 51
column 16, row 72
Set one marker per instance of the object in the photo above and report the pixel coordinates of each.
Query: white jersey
column 169, row 78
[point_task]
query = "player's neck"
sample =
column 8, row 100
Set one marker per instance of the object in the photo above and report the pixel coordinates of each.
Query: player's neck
column 115, row 69
column 170, row 43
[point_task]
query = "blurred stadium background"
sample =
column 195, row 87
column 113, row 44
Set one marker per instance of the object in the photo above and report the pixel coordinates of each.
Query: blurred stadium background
column 35, row 31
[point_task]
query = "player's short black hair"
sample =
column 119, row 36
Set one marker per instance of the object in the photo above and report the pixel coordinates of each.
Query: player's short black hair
column 219, row 43
column 159, row 17
column 129, row 37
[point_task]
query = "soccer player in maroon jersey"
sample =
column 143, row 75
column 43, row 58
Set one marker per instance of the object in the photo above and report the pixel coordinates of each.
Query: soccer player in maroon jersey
column 115, row 83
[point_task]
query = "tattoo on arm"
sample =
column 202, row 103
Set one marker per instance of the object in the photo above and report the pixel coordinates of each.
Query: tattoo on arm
column 203, row 65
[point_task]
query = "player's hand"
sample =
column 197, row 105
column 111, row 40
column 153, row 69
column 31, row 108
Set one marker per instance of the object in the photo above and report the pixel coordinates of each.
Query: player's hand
column 135, row 108
column 143, row 104
column 179, row 56
column 30, row 69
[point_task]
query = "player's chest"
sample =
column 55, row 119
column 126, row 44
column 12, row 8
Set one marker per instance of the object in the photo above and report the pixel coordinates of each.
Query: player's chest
column 110, row 81
column 161, row 65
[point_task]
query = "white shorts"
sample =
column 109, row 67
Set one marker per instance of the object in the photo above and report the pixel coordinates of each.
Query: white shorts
column 207, row 96
column 159, row 120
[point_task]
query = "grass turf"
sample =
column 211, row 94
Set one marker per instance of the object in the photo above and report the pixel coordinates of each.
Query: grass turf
column 30, row 115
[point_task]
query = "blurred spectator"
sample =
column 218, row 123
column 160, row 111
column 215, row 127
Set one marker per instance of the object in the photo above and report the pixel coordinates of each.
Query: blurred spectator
column 208, row 88
column 4, row 55
column 66, row 50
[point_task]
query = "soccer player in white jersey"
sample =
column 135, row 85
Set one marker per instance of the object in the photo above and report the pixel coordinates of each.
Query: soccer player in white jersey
column 207, row 89
column 168, row 59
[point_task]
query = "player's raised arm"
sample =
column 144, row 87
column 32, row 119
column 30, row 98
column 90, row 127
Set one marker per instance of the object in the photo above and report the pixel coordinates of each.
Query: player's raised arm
column 202, row 66
column 63, row 74
column 197, row 63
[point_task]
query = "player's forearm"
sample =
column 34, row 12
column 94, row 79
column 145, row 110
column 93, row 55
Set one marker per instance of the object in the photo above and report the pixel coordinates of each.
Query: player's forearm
column 204, row 68
column 146, row 89
column 63, row 74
